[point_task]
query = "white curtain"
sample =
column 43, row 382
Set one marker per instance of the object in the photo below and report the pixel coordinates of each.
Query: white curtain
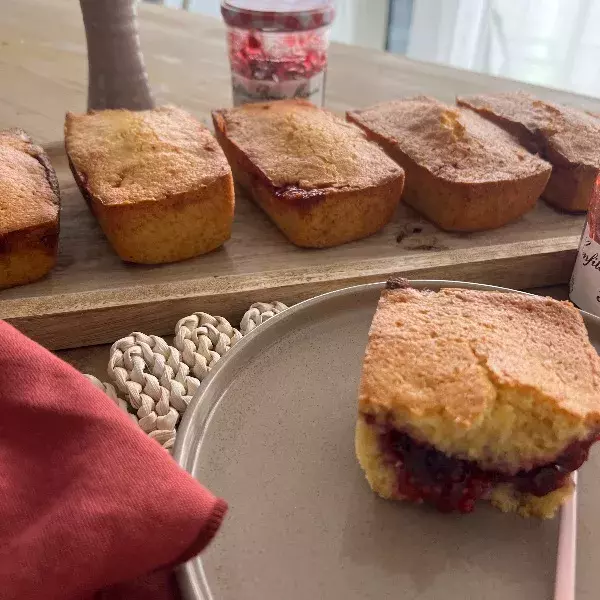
column 361, row 22
column 548, row 42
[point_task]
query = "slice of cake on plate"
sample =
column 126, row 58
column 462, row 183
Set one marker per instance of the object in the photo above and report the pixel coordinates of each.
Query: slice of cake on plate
column 468, row 395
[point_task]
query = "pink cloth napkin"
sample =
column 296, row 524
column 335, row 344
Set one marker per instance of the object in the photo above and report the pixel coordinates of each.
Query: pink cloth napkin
column 90, row 506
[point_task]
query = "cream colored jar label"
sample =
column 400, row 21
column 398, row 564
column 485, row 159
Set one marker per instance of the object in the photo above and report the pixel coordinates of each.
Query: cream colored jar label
column 585, row 280
column 253, row 90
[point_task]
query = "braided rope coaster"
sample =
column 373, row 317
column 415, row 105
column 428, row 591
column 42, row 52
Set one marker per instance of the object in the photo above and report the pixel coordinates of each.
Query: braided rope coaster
column 154, row 382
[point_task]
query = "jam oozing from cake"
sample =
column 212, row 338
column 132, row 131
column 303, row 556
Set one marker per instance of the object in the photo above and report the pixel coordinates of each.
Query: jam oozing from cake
column 424, row 474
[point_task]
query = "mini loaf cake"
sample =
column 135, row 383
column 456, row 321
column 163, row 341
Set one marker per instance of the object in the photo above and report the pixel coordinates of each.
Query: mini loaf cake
column 318, row 178
column 29, row 207
column 156, row 180
column 469, row 395
column 566, row 137
column 462, row 172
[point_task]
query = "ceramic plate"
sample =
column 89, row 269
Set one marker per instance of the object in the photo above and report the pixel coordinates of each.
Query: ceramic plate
column 272, row 431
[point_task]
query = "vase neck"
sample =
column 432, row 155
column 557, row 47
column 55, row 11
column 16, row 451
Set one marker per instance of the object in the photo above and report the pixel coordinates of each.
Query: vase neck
column 117, row 75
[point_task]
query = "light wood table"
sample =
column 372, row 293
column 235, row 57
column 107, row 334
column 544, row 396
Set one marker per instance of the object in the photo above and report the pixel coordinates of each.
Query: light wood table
column 44, row 68
column 44, row 73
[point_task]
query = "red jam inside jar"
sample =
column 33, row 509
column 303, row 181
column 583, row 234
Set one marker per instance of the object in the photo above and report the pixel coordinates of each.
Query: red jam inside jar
column 276, row 54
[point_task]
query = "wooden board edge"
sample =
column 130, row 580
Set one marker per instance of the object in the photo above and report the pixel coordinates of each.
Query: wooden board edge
column 101, row 325
column 58, row 303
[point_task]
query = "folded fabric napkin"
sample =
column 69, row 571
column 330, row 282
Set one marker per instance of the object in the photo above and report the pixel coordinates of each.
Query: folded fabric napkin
column 90, row 506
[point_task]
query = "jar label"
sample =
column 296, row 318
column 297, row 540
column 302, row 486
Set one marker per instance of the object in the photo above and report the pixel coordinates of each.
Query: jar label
column 254, row 90
column 585, row 280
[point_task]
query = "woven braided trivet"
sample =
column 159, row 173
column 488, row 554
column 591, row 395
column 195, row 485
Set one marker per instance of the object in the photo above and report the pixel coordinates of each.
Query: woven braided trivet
column 154, row 382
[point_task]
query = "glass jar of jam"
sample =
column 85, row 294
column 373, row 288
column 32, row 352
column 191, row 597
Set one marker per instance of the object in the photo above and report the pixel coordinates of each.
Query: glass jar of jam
column 278, row 48
column 584, row 290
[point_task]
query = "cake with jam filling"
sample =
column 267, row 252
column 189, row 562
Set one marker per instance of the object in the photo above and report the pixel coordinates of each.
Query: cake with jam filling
column 469, row 395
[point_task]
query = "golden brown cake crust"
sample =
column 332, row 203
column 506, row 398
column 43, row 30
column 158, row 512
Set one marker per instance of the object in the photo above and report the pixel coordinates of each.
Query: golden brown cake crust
column 127, row 157
column 456, row 145
column 157, row 181
column 508, row 380
column 318, row 178
column 26, row 176
column 572, row 134
column 462, row 173
column 292, row 143
column 29, row 210
column 566, row 137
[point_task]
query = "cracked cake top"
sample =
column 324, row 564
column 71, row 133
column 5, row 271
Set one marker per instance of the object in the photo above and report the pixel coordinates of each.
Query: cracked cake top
column 505, row 379
column 122, row 156
column 450, row 142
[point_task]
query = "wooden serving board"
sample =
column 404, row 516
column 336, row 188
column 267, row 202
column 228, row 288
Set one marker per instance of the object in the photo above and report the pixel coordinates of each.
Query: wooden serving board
column 92, row 297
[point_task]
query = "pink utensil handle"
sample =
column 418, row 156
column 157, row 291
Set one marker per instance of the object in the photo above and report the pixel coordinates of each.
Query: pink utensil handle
column 564, row 587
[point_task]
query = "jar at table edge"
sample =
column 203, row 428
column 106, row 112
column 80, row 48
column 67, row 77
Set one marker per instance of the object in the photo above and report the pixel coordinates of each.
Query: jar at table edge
column 584, row 289
column 278, row 48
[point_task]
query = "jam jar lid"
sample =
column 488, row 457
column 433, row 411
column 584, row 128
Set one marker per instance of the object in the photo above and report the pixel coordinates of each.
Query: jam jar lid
column 278, row 15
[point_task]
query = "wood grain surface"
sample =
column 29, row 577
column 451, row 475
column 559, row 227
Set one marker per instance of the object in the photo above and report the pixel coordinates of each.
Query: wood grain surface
column 92, row 297
column 44, row 68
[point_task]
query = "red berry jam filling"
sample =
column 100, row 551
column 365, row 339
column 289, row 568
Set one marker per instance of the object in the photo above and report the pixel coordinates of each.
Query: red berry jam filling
column 298, row 55
column 424, row 474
